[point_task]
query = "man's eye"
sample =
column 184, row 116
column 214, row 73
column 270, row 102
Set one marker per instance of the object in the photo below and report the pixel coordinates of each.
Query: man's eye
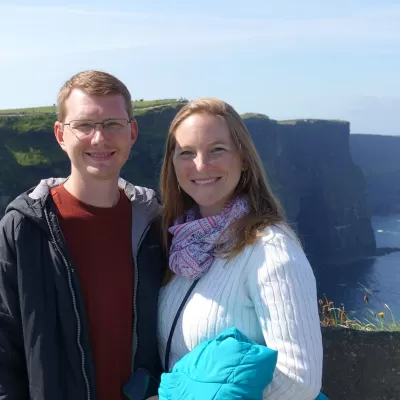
column 112, row 124
column 83, row 126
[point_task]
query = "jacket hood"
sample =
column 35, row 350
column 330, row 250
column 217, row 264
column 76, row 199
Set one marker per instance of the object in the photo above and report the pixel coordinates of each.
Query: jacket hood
column 31, row 204
column 229, row 367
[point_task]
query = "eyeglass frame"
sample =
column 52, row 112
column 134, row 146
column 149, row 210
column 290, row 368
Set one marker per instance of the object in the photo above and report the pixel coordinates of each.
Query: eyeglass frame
column 129, row 121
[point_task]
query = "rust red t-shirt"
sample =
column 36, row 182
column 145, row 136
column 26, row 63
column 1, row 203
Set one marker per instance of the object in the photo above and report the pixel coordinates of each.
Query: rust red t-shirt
column 99, row 241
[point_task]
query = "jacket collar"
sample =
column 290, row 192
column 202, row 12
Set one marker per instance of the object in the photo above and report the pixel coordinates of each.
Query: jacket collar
column 145, row 205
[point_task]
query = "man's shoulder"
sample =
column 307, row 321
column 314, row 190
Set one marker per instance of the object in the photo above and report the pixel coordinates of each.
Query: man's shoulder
column 145, row 192
column 11, row 221
column 137, row 193
column 146, row 203
column 16, row 230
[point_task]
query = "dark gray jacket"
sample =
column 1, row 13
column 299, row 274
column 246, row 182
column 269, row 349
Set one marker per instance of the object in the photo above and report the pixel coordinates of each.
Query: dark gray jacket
column 44, row 348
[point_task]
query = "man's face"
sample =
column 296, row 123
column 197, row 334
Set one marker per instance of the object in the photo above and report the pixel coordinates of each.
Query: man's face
column 101, row 154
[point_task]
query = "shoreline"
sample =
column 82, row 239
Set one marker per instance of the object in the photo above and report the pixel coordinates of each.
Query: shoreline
column 379, row 252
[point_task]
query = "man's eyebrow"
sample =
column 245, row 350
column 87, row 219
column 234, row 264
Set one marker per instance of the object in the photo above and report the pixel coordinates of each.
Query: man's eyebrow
column 83, row 118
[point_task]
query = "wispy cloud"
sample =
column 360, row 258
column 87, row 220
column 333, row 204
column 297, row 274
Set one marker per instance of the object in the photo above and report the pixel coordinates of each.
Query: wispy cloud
column 74, row 29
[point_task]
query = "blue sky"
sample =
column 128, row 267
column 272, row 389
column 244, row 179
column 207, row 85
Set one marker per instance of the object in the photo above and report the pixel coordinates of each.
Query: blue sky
column 287, row 59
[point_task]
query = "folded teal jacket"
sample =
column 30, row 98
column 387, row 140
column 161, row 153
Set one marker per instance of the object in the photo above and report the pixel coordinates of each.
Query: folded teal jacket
column 229, row 367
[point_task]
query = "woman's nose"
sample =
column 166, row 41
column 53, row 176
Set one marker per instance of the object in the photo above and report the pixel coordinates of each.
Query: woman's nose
column 201, row 162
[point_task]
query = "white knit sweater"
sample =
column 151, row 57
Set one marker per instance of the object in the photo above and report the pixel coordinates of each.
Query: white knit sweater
column 269, row 293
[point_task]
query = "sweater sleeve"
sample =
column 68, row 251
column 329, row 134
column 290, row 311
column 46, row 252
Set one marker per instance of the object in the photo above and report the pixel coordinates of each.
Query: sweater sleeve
column 283, row 289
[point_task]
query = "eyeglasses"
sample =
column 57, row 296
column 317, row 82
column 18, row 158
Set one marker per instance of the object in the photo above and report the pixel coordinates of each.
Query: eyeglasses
column 84, row 128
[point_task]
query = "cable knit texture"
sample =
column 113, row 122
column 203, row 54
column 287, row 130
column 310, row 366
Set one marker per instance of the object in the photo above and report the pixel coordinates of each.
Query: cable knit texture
column 268, row 292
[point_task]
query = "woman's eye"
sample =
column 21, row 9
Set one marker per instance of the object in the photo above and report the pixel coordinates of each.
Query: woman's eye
column 217, row 150
column 186, row 153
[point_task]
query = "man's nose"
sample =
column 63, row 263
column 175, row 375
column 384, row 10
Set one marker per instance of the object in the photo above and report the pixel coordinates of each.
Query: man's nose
column 98, row 134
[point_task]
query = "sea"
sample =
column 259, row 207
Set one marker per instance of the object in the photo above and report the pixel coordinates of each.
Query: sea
column 371, row 285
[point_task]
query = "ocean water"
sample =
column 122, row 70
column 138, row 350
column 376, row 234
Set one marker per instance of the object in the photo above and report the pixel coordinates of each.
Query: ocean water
column 377, row 277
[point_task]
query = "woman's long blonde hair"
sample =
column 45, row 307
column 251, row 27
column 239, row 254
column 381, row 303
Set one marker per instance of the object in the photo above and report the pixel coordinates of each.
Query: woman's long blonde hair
column 265, row 209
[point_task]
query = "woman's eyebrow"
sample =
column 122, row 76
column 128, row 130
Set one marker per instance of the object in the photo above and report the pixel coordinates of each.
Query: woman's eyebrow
column 217, row 142
column 178, row 146
column 214, row 143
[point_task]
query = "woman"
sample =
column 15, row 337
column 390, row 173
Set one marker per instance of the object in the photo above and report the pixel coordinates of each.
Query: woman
column 230, row 245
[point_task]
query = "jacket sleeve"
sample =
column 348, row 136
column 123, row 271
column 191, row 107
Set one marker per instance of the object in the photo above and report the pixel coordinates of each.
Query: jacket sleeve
column 283, row 289
column 13, row 376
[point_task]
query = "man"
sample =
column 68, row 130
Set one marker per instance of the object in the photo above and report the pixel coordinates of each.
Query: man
column 80, row 260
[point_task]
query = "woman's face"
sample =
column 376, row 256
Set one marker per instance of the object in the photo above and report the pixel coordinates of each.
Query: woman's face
column 207, row 163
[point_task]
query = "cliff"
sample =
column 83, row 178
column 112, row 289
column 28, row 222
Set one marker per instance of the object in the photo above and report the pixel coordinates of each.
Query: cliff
column 308, row 162
column 311, row 170
column 379, row 158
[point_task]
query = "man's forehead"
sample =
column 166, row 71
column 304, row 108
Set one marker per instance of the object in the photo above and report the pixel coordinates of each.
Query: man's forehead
column 80, row 95
column 83, row 105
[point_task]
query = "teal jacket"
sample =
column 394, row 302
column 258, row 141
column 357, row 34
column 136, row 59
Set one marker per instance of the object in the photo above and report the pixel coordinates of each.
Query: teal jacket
column 229, row 367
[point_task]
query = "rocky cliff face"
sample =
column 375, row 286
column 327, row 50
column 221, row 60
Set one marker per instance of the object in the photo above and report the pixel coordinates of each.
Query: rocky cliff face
column 308, row 162
column 379, row 158
column 311, row 170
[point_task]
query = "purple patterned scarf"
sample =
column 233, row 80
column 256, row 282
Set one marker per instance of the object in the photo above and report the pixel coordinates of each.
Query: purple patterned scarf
column 197, row 240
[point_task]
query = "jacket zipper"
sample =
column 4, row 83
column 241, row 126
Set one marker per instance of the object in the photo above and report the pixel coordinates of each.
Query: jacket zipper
column 78, row 320
column 135, row 339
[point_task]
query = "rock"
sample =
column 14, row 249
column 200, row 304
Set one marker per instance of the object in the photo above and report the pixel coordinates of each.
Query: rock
column 361, row 365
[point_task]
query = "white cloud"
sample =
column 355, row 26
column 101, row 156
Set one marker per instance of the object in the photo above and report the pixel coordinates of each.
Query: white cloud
column 41, row 31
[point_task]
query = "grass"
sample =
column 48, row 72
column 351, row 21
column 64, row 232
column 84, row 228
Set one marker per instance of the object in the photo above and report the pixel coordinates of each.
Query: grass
column 30, row 158
column 29, row 110
column 254, row 115
column 27, row 123
column 141, row 105
column 311, row 121
column 154, row 103
column 384, row 320
column 136, row 104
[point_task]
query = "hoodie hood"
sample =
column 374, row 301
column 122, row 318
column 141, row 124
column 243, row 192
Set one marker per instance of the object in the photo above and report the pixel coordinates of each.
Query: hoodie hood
column 31, row 204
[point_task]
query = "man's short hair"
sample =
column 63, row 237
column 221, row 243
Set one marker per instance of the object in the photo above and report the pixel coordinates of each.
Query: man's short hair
column 93, row 83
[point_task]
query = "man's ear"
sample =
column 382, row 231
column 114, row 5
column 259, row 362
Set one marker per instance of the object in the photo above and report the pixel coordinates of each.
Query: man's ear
column 134, row 131
column 59, row 134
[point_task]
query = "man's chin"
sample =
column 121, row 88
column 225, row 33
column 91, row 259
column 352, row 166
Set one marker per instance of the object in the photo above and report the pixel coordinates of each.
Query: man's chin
column 101, row 173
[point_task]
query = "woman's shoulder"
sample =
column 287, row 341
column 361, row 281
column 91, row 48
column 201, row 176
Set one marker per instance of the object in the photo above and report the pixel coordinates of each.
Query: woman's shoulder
column 278, row 233
column 277, row 245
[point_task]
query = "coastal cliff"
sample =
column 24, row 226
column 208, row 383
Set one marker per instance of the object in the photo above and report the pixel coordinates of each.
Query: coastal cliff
column 322, row 190
column 379, row 158
column 308, row 163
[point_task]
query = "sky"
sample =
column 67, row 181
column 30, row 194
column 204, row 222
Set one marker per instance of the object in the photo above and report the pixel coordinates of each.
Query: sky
column 287, row 59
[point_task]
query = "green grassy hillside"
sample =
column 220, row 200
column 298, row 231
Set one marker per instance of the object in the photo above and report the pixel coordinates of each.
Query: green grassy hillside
column 137, row 105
